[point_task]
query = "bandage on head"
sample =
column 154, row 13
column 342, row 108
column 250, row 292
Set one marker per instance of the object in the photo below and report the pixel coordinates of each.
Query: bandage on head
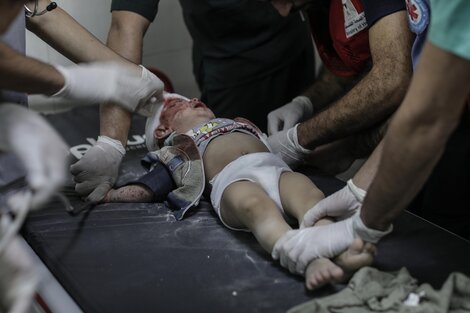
column 154, row 121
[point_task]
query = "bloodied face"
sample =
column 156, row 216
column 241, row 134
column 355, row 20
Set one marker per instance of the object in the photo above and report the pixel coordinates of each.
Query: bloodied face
column 180, row 115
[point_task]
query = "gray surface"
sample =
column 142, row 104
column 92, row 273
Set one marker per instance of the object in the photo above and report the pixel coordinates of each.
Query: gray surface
column 137, row 258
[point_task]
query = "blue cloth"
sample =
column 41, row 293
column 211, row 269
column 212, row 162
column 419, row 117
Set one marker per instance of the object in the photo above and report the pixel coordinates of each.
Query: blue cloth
column 158, row 179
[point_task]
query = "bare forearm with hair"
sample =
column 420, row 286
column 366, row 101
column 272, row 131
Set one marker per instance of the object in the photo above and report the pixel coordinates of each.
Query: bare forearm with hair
column 328, row 88
column 25, row 74
column 376, row 96
column 125, row 38
column 418, row 134
column 131, row 193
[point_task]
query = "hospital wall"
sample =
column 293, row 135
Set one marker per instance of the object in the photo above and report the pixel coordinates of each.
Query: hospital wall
column 167, row 46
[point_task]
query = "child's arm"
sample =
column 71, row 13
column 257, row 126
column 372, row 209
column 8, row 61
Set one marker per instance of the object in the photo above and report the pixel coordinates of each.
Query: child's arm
column 130, row 193
column 154, row 186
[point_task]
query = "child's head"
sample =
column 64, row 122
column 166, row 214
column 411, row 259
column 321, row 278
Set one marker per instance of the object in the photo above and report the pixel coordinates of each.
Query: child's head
column 179, row 114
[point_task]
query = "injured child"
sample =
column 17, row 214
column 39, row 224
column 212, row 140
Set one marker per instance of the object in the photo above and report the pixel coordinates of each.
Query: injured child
column 251, row 189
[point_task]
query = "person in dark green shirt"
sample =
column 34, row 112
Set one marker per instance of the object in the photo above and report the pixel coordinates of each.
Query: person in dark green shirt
column 247, row 59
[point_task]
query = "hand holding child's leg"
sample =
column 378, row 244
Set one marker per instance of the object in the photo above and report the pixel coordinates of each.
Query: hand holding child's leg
column 298, row 195
column 322, row 271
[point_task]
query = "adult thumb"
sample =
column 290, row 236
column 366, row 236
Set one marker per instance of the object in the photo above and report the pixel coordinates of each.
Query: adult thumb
column 99, row 193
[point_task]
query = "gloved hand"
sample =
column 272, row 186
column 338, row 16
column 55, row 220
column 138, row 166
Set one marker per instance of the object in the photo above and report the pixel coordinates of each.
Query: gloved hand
column 96, row 172
column 135, row 89
column 342, row 204
column 297, row 248
column 286, row 144
column 19, row 279
column 283, row 118
column 39, row 147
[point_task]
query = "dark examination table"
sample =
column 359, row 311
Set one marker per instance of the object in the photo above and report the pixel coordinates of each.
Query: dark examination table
column 138, row 258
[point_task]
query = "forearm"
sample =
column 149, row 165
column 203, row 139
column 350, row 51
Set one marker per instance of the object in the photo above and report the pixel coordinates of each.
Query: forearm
column 417, row 135
column 62, row 32
column 125, row 38
column 328, row 88
column 24, row 74
column 376, row 95
column 130, row 193
column 370, row 101
column 365, row 175
column 115, row 122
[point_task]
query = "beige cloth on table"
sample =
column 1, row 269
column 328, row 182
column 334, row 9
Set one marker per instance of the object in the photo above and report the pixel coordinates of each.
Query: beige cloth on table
column 371, row 290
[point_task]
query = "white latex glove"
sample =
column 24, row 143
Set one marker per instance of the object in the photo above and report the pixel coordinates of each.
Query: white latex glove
column 286, row 144
column 285, row 117
column 18, row 205
column 96, row 172
column 39, row 147
column 134, row 88
column 342, row 204
column 297, row 248
column 18, row 279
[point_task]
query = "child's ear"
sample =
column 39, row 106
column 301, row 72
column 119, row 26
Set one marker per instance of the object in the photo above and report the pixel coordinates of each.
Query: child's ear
column 162, row 132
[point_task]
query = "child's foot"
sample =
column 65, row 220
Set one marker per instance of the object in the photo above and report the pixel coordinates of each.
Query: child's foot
column 323, row 271
column 319, row 272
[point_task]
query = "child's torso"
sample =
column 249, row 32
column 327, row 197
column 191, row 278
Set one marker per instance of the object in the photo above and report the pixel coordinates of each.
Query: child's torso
column 224, row 141
column 227, row 148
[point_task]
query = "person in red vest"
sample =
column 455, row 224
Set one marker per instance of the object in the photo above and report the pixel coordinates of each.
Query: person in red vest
column 422, row 164
column 365, row 46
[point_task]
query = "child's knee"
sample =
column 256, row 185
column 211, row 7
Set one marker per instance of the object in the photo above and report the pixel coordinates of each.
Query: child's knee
column 251, row 205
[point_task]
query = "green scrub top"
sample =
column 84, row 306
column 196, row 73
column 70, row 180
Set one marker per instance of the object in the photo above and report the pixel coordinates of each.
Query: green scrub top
column 450, row 26
column 246, row 38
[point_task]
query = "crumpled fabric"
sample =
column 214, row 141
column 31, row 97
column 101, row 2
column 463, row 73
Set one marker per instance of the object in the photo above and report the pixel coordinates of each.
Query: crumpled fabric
column 371, row 290
column 184, row 162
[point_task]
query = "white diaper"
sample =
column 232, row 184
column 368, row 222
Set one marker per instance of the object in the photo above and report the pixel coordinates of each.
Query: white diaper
column 263, row 168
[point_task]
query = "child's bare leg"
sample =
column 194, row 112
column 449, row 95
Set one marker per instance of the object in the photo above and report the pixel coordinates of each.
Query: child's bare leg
column 130, row 193
column 322, row 270
column 298, row 195
column 246, row 205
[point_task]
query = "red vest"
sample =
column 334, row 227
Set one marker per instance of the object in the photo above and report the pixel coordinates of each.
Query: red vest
column 341, row 35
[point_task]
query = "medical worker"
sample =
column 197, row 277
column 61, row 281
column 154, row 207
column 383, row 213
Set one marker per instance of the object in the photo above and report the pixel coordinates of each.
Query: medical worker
column 247, row 60
column 425, row 150
column 365, row 46
column 25, row 133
